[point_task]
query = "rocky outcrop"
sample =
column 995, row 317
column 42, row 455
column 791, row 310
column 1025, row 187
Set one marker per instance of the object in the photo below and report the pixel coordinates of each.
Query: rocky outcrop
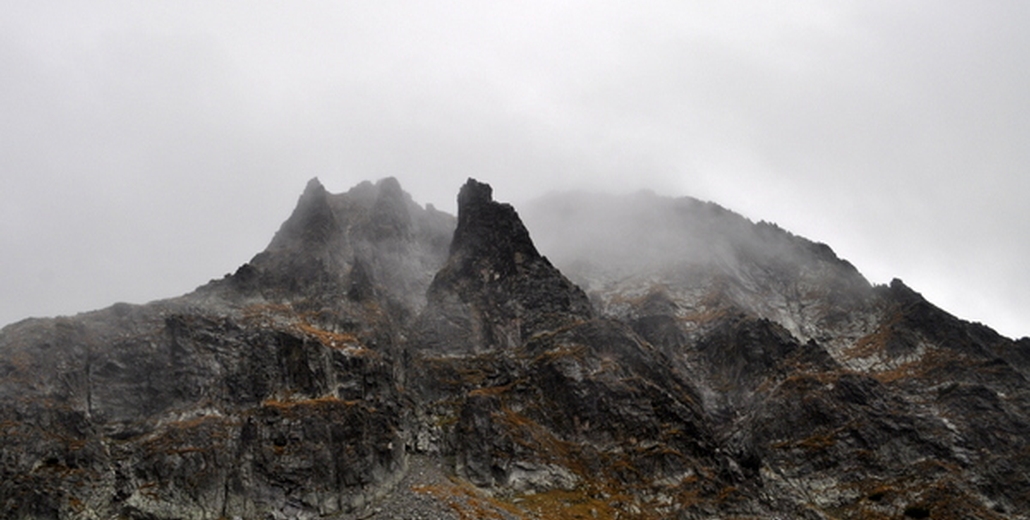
column 274, row 391
column 708, row 367
column 705, row 258
column 336, row 253
column 495, row 291
column 164, row 412
column 849, row 400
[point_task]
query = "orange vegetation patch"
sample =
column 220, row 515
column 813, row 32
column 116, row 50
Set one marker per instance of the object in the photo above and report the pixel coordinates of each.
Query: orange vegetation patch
column 300, row 323
column 600, row 495
column 265, row 314
column 816, row 442
column 267, row 308
column 806, row 382
column 334, row 340
column 535, row 437
column 469, row 503
column 76, row 505
column 925, row 367
column 706, row 315
column 495, row 390
column 569, row 505
column 181, row 437
column 604, row 494
column 635, row 301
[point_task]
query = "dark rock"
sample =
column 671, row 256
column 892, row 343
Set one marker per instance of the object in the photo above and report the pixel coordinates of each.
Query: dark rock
column 720, row 368
column 495, row 290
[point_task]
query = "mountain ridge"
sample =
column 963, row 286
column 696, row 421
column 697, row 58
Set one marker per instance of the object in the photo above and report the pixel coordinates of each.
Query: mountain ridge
column 668, row 359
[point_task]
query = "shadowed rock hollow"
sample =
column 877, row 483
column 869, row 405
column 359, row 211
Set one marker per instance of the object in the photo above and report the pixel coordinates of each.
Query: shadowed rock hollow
column 674, row 361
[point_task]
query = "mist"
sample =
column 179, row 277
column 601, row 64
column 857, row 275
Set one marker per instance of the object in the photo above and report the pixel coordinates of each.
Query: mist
column 148, row 148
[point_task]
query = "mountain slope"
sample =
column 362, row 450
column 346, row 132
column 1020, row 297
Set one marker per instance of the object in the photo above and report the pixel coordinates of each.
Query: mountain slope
column 271, row 390
column 800, row 360
column 667, row 359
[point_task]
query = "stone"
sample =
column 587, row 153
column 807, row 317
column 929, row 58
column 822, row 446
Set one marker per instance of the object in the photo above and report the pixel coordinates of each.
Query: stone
column 674, row 361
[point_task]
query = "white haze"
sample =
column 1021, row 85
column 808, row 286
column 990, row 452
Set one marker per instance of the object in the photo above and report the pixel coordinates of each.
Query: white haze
column 146, row 147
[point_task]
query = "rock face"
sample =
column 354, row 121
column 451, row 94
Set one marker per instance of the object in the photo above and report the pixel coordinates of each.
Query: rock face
column 700, row 366
column 495, row 291
column 272, row 391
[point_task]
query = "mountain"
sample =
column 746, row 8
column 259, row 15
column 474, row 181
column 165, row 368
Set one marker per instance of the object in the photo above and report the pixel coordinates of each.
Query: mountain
column 667, row 358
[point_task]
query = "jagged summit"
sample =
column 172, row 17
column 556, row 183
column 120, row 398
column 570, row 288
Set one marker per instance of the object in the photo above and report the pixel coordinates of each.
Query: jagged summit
column 490, row 229
column 495, row 290
column 720, row 368
column 334, row 247
column 489, row 235
column 312, row 222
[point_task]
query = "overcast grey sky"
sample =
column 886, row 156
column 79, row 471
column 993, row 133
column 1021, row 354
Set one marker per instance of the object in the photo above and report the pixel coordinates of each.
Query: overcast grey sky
column 147, row 147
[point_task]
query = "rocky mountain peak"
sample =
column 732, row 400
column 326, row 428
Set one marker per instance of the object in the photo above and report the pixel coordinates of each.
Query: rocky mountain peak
column 490, row 231
column 720, row 369
column 312, row 221
column 315, row 187
column 370, row 245
column 474, row 193
column 495, row 289
column 902, row 293
column 391, row 216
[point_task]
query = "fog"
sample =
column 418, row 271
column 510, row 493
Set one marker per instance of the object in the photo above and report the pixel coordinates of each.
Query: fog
column 630, row 234
column 146, row 148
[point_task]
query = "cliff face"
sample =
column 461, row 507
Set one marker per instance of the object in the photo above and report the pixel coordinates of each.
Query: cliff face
column 840, row 390
column 273, row 390
column 495, row 291
column 682, row 363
